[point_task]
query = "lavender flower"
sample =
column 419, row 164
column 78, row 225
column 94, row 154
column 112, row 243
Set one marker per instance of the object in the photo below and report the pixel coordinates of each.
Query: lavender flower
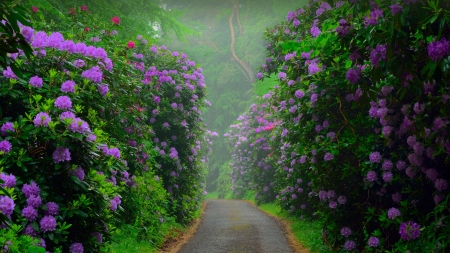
column 375, row 157
column 103, row 89
column 9, row 180
column 349, row 245
column 393, row 213
column 61, row 154
column 5, row 146
column 373, row 242
column 377, row 54
column 68, row 86
column 36, row 82
column 346, row 232
column 438, row 49
column 328, row 157
column 371, row 176
column 52, row 208
column 48, row 223
column 114, row 152
column 8, row 126
column 34, row 201
column 30, row 189
column 76, row 248
column 6, row 205
column 63, row 102
column 42, row 119
column 79, row 173
column 30, row 213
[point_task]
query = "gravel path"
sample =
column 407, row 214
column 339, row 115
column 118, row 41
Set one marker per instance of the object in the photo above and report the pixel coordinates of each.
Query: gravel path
column 235, row 226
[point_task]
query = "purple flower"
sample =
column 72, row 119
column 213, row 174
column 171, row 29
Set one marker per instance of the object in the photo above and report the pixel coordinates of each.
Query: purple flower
column 63, row 102
column 29, row 230
column 34, row 201
column 8, row 73
column 79, row 126
column 299, row 94
column 68, row 86
column 375, row 15
column 36, row 82
column 349, row 245
column 432, row 174
column 42, row 119
column 259, row 75
column 5, row 146
column 48, row 223
column 103, row 89
column 315, row 31
column 352, row 75
column 387, row 176
column 98, row 236
column 114, row 152
column 377, row 54
column 343, row 28
column 30, row 213
column 282, row 76
column 66, row 115
column 397, row 197
column 396, row 8
column 30, row 189
column 342, row 200
column 373, row 241
column 79, row 173
column 328, row 157
column 346, row 232
column 94, row 74
column 371, row 176
column 79, row 63
column 76, row 248
column 313, row 68
column 438, row 49
column 8, row 126
column 393, row 213
column 166, row 125
column 9, row 180
column 61, row 154
column 375, row 157
column 332, row 204
column 6, row 205
column 52, row 208
column 387, row 165
column 409, row 230
column 441, row 184
column 401, row 165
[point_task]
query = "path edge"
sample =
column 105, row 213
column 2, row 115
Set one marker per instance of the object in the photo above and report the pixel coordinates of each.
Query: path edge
column 186, row 235
column 286, row 228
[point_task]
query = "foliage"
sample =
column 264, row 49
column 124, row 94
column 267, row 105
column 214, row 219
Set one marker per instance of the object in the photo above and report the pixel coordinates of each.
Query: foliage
column 363, row 107
column 76, row 130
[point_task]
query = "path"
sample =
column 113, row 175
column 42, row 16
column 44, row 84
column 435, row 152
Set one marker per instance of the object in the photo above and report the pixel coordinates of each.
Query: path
column 234, row 226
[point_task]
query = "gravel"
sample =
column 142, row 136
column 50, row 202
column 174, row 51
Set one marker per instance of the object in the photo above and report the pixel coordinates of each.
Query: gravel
column 235, row 226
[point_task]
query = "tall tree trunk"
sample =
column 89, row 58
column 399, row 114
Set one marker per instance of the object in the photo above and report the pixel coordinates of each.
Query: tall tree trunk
column 248, row 71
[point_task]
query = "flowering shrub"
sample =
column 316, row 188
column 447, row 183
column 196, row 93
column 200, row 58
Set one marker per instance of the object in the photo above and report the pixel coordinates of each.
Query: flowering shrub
column 363, row 109
column 75, row 131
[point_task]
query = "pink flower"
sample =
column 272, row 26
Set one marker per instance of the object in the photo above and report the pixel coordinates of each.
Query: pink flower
column 34, row 9
column 115, row 20
column 130, row 44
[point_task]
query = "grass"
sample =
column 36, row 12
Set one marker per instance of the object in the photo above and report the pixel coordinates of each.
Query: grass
column 308, row 233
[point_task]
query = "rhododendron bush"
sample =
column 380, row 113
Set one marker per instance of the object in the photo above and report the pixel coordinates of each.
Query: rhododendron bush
column 363, row 106
column 85, row 120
